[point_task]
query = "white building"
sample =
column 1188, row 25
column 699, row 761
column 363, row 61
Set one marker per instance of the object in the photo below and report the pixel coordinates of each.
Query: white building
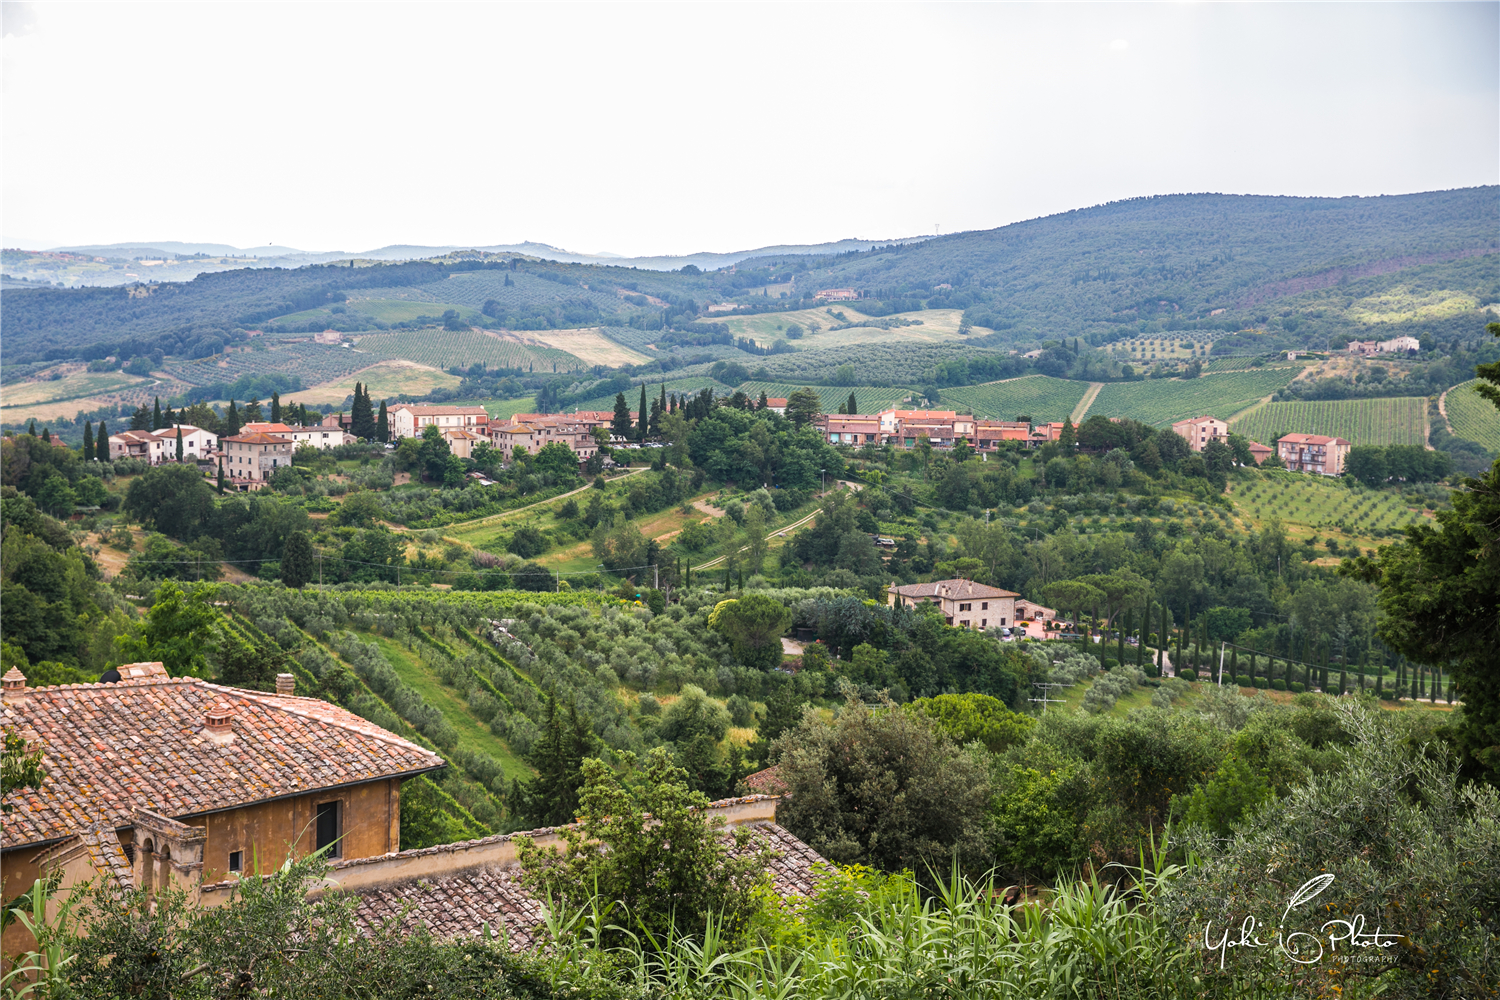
column 161, row 446
column 407, row 420
column 255, row 455
column 1400, row 345
column 319, row 436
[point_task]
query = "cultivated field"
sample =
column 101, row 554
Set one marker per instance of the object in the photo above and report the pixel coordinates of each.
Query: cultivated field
column 1040, row 397
column 591, row 346
column 1161, row 348
column 445, row 349
column 1398, row 420
column 1472, row 416
column 314, row 364
column 936, row 325
column 504, row 409
column 869, row 398
column 1161, row 401
column 1309, row 504
column 385, row 380
column 71, row 386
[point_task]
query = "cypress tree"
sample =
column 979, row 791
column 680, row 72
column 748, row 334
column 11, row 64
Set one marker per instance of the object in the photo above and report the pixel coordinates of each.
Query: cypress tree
column 1234, row 664
column 47, row 434
column 383, row 425
column 179, row 443
column 620, row 425
column 853, row 404
column 232, row 422
column 297, row 560
column 156, row 423
column 101, row 444
column 362, row 415
column 551, row 798
column 275, row 407
column 1140, row 647
column 640, row 433
column 32, row 428
column 88, row 440
column 221, row 474
column 1120, row 640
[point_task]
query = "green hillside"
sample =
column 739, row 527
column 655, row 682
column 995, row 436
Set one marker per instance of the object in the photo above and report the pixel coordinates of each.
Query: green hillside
column 869, row 398
column 1400, row 420
column 1472, row 416
column 1161, row 402
column 1037, row 396
column 462, row 348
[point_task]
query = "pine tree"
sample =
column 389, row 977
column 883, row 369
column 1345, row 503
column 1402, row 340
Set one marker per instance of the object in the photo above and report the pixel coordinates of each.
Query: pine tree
column 640, row 432
column 383, row 425
column 179, row 443
column 297, row 560
column 88, row 440
column 101, row 444
column 620, row 425
column 156, row 423
column 551, row 798
column 275, row 407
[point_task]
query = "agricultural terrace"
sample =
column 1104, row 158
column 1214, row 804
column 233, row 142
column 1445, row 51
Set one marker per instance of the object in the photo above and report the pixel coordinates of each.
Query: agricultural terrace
column 1040, row 397
column 1161, row 348
column 1471, row 416
column 1397, row 420
column 312, row 364
column 444, row 349
column 592, row 346
column 871, row 399
column 1161, row 401
column 1312, row 507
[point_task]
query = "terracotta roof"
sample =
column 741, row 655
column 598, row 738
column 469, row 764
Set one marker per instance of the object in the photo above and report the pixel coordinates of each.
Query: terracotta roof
column 111, row 747
column 431, row 411
column 255, row 437
column 268, row 428
column 1310, row 439
column 766, row 782
column 955, row 589
column 1257, row 446
column 460, row 903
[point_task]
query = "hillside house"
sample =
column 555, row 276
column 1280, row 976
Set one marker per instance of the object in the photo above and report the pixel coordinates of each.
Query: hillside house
column 1399, row 345
column 161, row 446
column 155, row 780
column 1199, row 431
column 850, row 430
column 321, row 436
column 837, row 295
column 1260, row 452
column 965, row 604
column 408, row 420
column 776, row 404
column 255, row 456
column 1313, row 453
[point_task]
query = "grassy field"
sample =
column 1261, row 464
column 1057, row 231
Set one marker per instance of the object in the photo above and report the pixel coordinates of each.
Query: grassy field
column 871, row 399
column 1403, row 304
column 1472, row 416
column 1040, row 397
column 472, row 734
column 72, row 386
column 1161, row 401
column 1398, row 420
column 443, row 349
column 504, row 409
column 385, row 380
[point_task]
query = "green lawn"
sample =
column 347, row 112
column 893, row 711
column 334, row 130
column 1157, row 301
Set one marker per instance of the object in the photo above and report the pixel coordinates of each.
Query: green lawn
column 472, row 733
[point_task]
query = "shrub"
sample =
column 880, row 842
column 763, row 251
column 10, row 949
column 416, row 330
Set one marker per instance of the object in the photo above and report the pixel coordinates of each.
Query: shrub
column 1188, row 674
column 1279, row 684
column 1244, row 680
column 1297, row 687
column 1261, row 683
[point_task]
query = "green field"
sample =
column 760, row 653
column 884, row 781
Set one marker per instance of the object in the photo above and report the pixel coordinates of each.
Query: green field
column 445, row 349
column 1040, row 397
column 504, row 409
column 69, row 387
column 1472, row 416
column 1161, row 401
column 927, row 326
column 871, row 399
column 1397, row 420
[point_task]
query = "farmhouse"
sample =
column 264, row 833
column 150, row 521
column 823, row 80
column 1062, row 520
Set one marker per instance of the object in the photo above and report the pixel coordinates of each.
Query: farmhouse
column 837, row 295
column 155, row 780
column 1199, row 431
column 322, row 436
column 161, row 446
column 841, row 429
column 1313, row 453
column 965, row 604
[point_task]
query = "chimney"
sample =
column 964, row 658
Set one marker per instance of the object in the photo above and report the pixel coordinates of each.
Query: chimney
column 15, row 685
column 218, row 723
column 286, row 683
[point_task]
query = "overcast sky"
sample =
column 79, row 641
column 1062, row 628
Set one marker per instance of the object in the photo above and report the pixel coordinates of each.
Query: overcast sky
column 673, row 128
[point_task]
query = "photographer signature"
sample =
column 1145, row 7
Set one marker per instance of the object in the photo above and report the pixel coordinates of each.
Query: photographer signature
column 1300, row 946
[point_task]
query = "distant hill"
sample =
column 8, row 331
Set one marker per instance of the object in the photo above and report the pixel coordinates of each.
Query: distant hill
column 1290, row 271
column 172, row 247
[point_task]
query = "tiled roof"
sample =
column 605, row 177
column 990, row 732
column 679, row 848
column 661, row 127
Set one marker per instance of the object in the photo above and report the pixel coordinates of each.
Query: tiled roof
column 1310, row 439
column 268, row 428
column 110, row 747
column 955, row 589
column 460, row 903
column 766, row 782
column 437, row 411
column 255, row 437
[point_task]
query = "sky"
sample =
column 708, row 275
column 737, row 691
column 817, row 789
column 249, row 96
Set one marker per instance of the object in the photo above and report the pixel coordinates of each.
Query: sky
column 675, row 128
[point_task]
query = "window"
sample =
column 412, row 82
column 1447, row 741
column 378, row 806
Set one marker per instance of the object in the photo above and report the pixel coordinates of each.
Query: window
column 964, row 623
column 984, row 623
column 966, row 607
column 984, row 606
column 328, row 828
column 236, row 861
column 1002, row 621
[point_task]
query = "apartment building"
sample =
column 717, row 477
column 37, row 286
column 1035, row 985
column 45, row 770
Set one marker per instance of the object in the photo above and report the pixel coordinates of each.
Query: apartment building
column 161, row 446
column 851, row 430
column 408, row 420
column 255, row 456
column 1199, row 431
column 322, row 436
column 1313, row 453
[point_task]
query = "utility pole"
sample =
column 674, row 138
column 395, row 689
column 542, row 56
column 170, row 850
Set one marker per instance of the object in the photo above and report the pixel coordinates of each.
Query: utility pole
column 655, row 577
column 1222, row 646
column 1045, row 700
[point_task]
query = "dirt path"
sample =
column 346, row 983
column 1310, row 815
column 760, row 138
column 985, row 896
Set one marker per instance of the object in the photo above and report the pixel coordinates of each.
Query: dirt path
column 1083, row 404
column 778, row 532
column 708, row 508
